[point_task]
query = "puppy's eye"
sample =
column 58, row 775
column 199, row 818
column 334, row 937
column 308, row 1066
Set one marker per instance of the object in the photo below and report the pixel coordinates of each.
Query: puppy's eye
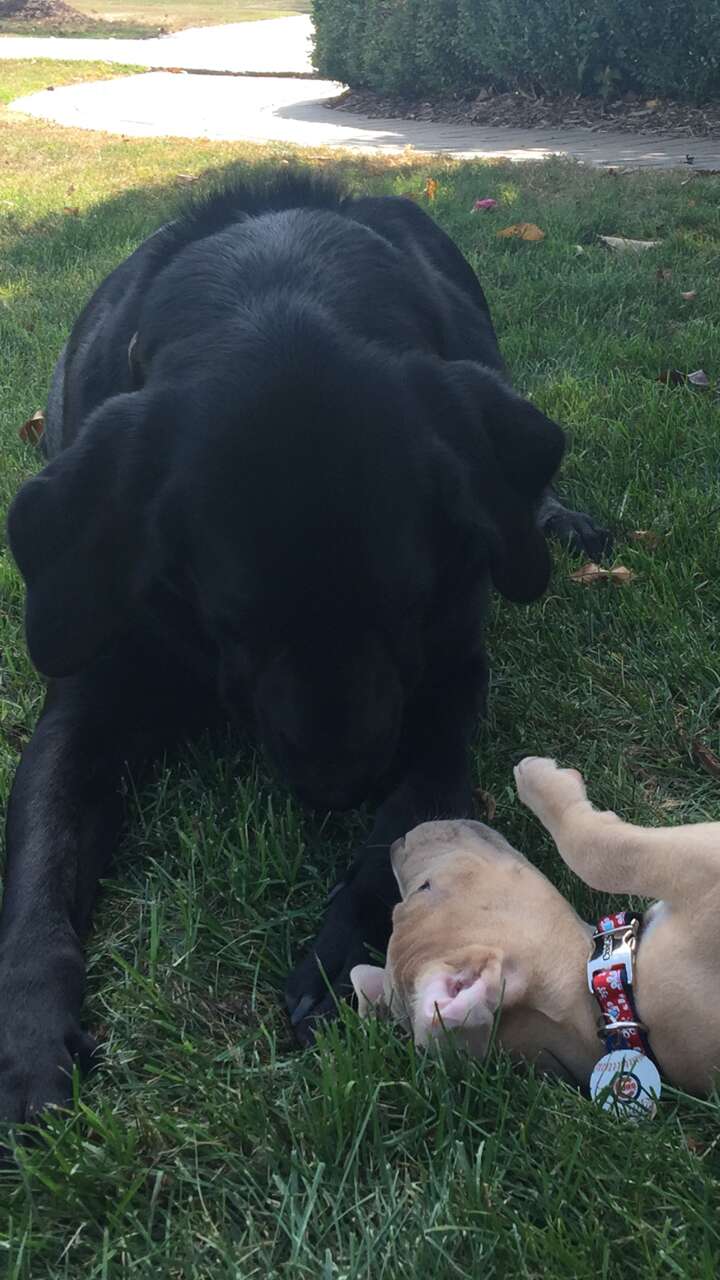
column 421, row 887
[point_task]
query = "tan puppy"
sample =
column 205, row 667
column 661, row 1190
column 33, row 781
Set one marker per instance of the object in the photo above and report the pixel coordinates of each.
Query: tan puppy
column 479, row 927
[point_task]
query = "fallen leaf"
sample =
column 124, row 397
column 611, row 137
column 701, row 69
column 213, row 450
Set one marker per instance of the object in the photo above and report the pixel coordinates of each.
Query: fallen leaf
column 621, row 245
column 699, row 379
column 620, row 573
column 695, row 1145
column 578, row 250
column 487, row 204
column 690, row 296
column 522, row 231
column 591, row 572
column 652, row 103
column 32, row 430
column 663, row 275
column 486, row 803
column 647, row 537
column 72, row 210
column 186, row 177
column 431, row 188
column 672, row 377
column 706, row 757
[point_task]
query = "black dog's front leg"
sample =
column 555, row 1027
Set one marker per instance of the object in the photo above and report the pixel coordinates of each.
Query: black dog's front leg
column 63, row 819
column 359, row 917
column 575, row 529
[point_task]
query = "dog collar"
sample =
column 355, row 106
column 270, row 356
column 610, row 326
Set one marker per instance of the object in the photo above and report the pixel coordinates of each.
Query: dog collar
column 626, row 1079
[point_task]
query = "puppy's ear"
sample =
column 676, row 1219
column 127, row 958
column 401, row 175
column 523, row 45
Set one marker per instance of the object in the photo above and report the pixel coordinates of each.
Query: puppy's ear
column 369, row 985
column 499, row 453
column 465, row 998
column 78, row 534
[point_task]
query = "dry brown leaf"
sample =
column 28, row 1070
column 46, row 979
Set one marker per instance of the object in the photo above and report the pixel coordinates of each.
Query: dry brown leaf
column 695, row 1145
column 622, row 245
column 690, row 296
column 72, row 210
column 663, row 275
column 672, row 377
column 486, row 803
column 589, row 573
column 522, row 231
column 706, row 758
column 620, row 573
column 431, row 188
column 647, row 537
column 32, row 430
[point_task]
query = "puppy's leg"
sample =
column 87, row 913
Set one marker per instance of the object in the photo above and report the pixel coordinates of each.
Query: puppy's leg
column 359, row 918
column 677, row 864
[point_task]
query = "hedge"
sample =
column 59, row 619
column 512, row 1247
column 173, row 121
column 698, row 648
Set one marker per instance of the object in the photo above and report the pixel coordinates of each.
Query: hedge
column 659, row 48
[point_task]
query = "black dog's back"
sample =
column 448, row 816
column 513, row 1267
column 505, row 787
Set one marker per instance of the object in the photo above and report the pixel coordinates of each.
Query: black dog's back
column 404, row 284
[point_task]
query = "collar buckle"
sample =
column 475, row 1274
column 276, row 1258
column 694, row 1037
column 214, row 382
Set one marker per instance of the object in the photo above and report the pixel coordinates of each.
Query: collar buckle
column 613, row 947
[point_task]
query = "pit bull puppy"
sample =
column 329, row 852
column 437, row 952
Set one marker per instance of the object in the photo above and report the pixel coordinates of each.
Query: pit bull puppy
column 480, row 929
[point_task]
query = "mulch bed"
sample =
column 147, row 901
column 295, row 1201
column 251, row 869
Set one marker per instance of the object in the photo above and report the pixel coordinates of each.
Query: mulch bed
column 629, row 114
column 32, row 11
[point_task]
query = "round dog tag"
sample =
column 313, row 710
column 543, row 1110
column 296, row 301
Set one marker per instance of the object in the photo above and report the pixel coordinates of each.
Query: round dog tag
column 626, row 1082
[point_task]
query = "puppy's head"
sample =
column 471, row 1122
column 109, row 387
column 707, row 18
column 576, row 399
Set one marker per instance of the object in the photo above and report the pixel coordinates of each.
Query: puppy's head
column 470, row 937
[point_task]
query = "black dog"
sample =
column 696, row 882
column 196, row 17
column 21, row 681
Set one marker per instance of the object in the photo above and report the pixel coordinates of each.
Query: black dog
column 285, row 467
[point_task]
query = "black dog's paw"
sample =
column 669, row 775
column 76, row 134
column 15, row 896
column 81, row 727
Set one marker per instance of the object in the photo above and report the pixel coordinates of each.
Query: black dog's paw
column 36, row 1065
column 349, row 936
column 576, row 530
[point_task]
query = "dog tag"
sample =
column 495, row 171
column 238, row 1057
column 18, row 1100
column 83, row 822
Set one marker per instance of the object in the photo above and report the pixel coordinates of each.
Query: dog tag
column 626, row 1082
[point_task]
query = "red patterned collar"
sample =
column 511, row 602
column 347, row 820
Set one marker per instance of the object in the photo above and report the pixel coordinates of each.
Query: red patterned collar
column 610, row 979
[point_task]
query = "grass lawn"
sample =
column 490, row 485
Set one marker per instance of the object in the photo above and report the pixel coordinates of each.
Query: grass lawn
column 32, row 75
column 154, row 17
column 206, row 1145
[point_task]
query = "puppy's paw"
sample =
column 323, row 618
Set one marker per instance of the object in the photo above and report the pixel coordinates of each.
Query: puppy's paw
column 546, row 789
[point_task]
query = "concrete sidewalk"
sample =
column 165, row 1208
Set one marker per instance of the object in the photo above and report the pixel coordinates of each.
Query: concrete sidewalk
column 159, row 104
column 276, row 46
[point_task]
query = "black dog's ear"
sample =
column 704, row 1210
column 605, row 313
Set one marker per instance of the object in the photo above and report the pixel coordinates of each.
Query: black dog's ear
column 76, row 531
column 510, row 452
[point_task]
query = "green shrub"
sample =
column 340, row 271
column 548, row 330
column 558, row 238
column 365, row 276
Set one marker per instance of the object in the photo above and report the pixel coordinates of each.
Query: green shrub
column 667, row 48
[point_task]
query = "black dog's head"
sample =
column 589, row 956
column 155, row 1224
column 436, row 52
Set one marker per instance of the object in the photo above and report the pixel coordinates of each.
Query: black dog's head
column 318, row 504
